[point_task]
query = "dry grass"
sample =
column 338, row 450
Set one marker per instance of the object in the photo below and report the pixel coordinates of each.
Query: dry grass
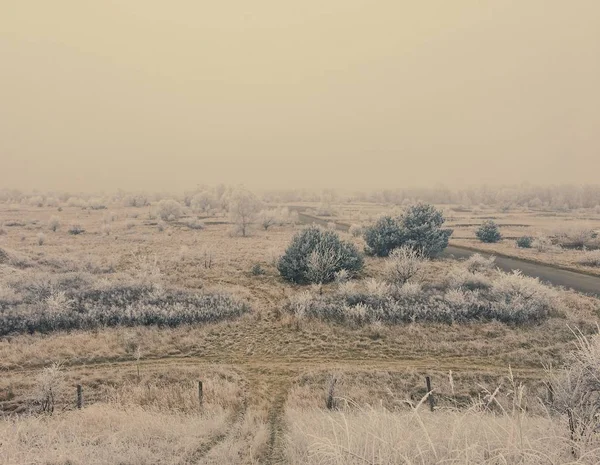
column 379, row 436
column 253, row 366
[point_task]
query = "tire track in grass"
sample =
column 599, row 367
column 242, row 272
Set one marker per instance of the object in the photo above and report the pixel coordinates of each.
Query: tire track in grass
column 234, row 419
column 277, row 426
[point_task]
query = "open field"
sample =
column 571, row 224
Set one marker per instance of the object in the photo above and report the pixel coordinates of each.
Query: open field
column 266, row 369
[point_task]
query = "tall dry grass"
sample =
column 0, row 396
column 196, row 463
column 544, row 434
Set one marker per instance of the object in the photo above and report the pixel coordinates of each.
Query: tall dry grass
column 379, row 436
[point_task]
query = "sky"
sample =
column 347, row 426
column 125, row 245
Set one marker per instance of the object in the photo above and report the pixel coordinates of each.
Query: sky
column 156, row 95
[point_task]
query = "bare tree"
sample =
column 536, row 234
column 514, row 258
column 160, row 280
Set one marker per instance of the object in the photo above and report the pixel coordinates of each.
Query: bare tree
column 243, row 208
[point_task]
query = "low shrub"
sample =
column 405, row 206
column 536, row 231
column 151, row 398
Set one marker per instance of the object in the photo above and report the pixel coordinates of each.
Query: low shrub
column 54, row 223
column 478, row 263
column 169, row 210
column 525, row 242
column 590, row 258
column 403, row 264
column 509, row 298
column 195, row 223
column 118, row 305
column 76, row 229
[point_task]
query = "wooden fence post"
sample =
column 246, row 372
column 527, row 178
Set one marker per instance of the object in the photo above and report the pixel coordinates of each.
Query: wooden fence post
column 429, row 393
column 79, row 396
column 200, row 393
column 330, row 402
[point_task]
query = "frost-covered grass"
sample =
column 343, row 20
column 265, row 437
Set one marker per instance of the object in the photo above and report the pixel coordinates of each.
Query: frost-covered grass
column 46, row 307
column 470, row 291
column 590, row 258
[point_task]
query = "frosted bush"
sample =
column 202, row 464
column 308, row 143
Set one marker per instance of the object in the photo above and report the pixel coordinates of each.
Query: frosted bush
column 341, row 276
column 520, row 298
column 403, row 264
column 347, row 289
column 169, row 210
column 409, row 290
column 509, row 298
column 542, row 244
column 119, row 305
column 460, row 277
column 76, row 229
column 54, row 223
column 590, row 258
column 478, row 263
column 378, row 289
column 194, row 223
column 301, row 303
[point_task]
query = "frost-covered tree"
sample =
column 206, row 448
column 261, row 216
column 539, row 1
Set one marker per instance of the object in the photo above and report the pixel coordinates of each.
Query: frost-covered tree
column 489, row 232
column 383, row 236
column 203, row 202
column 169, row 210
column 315, row 255
column 268, row 218
column 422, row 229
column 244, row 206
column 419, row 227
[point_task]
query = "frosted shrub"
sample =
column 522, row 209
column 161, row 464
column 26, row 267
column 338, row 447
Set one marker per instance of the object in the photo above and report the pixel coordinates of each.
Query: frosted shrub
column 489, row 232
column 54, row 223
column 57, row 302
column 577, row 388
column 169, row 210
column 203, row 202
column 510, row 298
column 49, row 387
column 36, row 201
column 119, row 305
column 347, row 289
column 525, row 242
column 301, row 303
column 460, row 277
column 195, row 223
column 315, row 255
column 478, row 263
column 519, row 298
column 76, row 229
column 590, row 258
column 409, row 290
column 378, row 289
column 543, row 244
column 341, row 276
column 97, row 204
column 577, row 238
column 402, row 264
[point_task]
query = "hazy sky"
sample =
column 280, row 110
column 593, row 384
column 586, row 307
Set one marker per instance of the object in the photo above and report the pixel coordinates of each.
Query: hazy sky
column 162, row 95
